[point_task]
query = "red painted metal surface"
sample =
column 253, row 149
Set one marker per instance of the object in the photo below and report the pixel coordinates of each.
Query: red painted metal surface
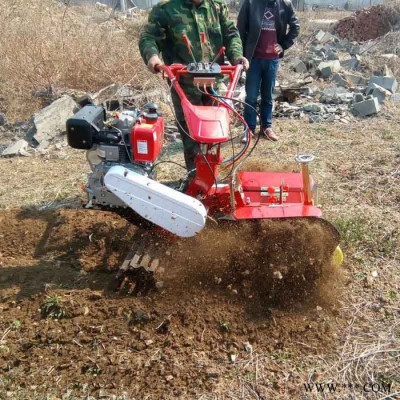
column 257, row 194
column 147, row 139
column 207, row 124
column 254, row 211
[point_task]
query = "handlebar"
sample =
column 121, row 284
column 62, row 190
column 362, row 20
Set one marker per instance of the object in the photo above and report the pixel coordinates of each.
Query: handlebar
column 175, row 71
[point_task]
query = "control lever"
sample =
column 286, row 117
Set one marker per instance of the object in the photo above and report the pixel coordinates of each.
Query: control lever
column 221, row 51
column 189, row 46
column 203, row 39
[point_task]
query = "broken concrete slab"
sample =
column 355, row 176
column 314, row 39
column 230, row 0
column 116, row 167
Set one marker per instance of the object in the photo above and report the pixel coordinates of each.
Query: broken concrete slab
column 377, row 91
column 389, row 56
column 387, row 82
column 336, row 95
column 299, row 66
column 323, row 24
column 327, row 68
column 339, row 80
column 358, row 98
column 16, row 149
column 355, row 80
column 351, row 63
column 320, row 35
column 306, row 91
column 315, row 118
column 312, row 107
column 50, row 121
column 366, row 107
column 324, row 37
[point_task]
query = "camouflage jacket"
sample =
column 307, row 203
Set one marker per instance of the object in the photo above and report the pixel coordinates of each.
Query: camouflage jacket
column 169, row 20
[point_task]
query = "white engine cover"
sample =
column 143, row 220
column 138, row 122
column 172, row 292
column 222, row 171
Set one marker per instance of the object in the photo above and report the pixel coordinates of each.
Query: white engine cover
column 174, row 211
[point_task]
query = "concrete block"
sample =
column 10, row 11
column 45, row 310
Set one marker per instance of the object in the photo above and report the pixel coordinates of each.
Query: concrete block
column 355, row 80
column 323, row 24
column 15, row 149
column 324, row 37
column 358, row 98
column 327, row 68
column 307, row 91
column 366, row 107
column 351, row 63
column 339, row 80
column 312, row 107
column 332, row 56
column 50, row 121
column 320, row 35
column 299, row 66
column 377, row 91
column 387, row 82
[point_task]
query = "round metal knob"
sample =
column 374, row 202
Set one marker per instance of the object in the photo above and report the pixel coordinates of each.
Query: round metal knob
column 305, row 158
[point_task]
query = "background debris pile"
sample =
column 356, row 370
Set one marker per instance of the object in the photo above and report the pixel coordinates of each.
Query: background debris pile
column 369, row 23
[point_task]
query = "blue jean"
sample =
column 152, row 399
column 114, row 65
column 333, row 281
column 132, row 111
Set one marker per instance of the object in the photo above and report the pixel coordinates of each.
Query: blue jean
column 261, row 76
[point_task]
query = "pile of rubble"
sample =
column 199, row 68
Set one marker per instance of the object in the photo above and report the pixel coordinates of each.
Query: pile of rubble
column 366, row 24
column 48, row 126
column 338, row 63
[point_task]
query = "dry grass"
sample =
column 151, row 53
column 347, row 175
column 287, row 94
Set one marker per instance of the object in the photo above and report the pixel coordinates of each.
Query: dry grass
column 47, row 46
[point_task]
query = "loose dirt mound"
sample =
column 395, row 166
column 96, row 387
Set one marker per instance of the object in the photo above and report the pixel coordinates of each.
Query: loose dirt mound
column 369, row 23
column 174, row 344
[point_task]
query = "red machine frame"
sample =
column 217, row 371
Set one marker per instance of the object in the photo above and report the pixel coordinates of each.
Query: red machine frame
column 248, row 195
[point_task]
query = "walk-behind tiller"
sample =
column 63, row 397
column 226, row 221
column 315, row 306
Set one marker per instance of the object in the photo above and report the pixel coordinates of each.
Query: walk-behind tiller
column 123, row 152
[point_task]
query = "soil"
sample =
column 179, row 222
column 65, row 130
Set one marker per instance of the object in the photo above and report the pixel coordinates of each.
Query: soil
column 190, row 337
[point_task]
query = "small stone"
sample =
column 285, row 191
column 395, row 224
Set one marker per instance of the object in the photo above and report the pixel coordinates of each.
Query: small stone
column 248, row 347
column 319, row 308
column 212, row 374
column 374, row 274
column 86, row 311
column 2, row 119
column 232, row 358
column 148, row 342
column 368, row 281
column 169, row 378
column 278, row 275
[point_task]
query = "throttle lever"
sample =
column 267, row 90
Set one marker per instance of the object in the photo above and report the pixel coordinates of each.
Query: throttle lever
column 188, row 46
column 221, row 51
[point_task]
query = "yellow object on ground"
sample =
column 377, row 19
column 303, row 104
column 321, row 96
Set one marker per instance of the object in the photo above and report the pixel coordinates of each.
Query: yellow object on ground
column 337, row 256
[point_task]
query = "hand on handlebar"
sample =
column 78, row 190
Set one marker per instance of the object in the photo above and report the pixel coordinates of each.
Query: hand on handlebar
column 153, row 64
column 244, row 61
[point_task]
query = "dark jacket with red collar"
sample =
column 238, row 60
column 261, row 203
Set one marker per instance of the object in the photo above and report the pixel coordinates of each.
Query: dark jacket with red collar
column 249, row 23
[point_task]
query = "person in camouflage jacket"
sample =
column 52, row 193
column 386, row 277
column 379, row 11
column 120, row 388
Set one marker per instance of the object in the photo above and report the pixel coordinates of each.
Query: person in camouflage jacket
column 168, row 22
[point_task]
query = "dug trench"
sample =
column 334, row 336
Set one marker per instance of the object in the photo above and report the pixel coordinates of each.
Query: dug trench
column 229, row 293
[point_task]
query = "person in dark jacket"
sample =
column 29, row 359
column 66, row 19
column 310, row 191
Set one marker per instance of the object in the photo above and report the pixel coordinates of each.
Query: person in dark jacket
column 267, row 28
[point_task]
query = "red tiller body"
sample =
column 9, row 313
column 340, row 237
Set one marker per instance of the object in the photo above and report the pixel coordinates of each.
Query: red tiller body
column 249, row 195
column 147, row 139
